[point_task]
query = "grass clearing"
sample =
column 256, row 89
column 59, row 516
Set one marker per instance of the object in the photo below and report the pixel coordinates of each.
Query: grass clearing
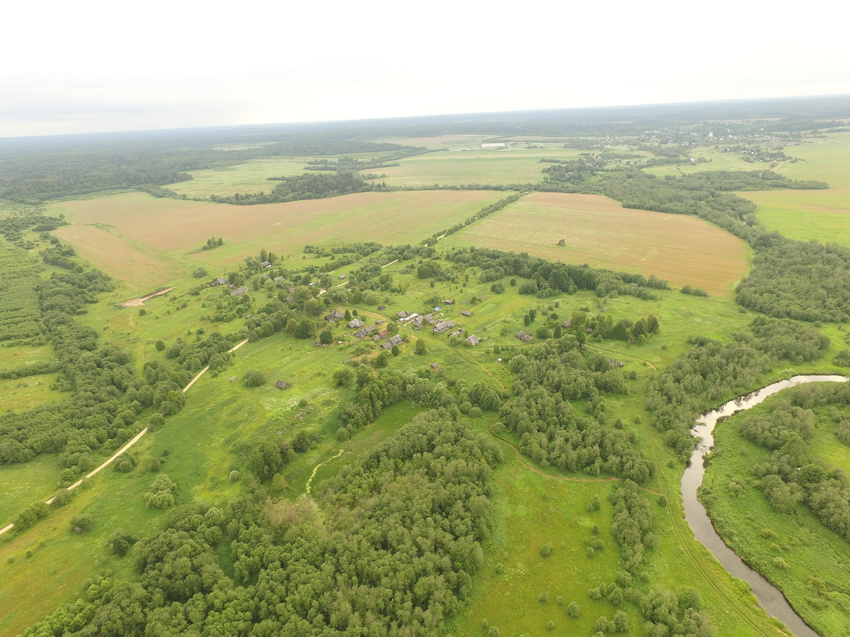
column 250, row 177
column 491, row 167
column 600, row 232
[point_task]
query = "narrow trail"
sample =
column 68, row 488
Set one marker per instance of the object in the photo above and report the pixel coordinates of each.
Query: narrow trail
column 610, row 351
column 132, row 442
column 309, row 484
column 390, row 263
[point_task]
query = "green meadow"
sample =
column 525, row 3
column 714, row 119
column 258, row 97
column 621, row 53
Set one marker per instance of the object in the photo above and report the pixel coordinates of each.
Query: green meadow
column 146, row 244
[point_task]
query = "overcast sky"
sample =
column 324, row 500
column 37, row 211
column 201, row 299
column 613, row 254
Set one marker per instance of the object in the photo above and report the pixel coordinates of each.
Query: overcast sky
column 91, row 65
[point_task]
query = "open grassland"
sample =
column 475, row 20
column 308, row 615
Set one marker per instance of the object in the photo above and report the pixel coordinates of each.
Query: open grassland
column 250, row 177
column 598, row 231
column 812, row 214
column 796, row 552
column 19, row 394
column 519, row 589
column 26, row 483
column 823, row 215
column 490, row 167
column 153, row 226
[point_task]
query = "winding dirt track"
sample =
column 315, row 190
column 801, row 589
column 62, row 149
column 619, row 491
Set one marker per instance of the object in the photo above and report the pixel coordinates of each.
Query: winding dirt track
column 135, row 439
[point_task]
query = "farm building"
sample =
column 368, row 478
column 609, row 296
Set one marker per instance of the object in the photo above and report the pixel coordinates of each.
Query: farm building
column 449, row 302
column 279, row 279
column 365, row 331
column 566, row 323
column 381, row 308
column 466, row 313
column 389, row 343
column 443, row 326
column 281, row 385
column 402, row 314
column 266, row 264
column 458, row 332
column 473, row 340
column 435, row 365
column 219, row 281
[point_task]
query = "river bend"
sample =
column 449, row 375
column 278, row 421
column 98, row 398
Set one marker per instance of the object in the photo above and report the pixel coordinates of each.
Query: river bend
column 770, row 597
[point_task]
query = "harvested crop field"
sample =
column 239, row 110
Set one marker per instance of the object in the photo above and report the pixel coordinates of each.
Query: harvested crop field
column 184, row 226
column 598, row 231
column 139, row 268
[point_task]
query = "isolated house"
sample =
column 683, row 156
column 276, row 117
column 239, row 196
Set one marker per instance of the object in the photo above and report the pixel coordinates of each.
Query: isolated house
column 240, row 290
column 333, row 316
column 281, row 385
column 473, row 340
column 466, row 313
column 219, row 281
column 266, row 264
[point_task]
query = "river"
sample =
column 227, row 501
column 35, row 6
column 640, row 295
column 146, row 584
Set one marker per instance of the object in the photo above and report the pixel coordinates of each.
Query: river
column 770, row 597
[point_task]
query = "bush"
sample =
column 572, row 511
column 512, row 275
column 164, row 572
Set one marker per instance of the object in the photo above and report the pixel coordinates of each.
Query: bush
column 253, row 378
column 546, row 550
column 342, row 377
column 82, row 523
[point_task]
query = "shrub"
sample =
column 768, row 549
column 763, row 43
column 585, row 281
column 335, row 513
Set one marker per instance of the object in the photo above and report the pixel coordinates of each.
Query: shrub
column 82, row 523
column 253, row 378
column 546, row 550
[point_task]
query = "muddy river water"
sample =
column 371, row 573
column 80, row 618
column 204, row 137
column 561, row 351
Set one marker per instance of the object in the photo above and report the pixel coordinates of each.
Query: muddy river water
column 768, row 595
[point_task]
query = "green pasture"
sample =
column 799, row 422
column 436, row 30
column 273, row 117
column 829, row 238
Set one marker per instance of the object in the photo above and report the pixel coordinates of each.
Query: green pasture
column 490, row 167
column 807, row 561
column 250, row 177
column 805, row 215
column 19, row 394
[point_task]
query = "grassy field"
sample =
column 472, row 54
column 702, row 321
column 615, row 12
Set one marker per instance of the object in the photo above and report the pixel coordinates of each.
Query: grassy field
column 250, row 177
column 491, row 167
column 600, row 232
column 793, row 551
column 812, row 214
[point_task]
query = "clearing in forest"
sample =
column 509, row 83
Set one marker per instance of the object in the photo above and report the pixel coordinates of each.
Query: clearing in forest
column 598, row 231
